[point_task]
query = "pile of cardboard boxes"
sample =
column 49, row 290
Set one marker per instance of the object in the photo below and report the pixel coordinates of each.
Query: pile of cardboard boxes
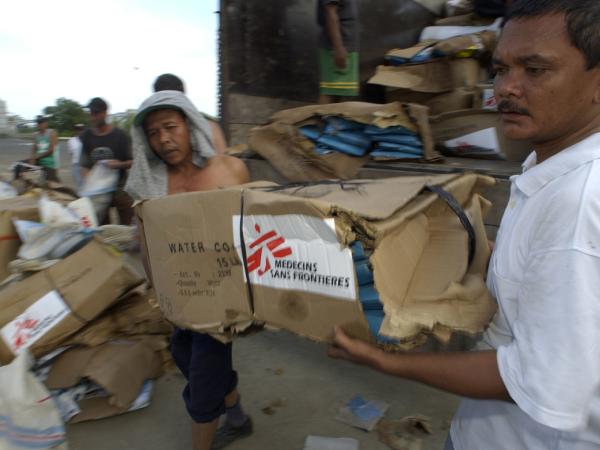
column 86, row 319
column 448, row 71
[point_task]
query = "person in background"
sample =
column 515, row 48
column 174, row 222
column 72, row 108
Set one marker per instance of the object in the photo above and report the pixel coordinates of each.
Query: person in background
column 74, row 145
column 109, row 144
column 534, row 380
column 173, row 153
column 170, row 82
column 338, row 49
column 44, row 152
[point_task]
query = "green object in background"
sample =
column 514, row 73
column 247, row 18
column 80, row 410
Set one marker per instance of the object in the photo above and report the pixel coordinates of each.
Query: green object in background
column 336, row 81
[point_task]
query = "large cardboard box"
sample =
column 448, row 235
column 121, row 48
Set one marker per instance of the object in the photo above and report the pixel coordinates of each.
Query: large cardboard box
column 40, row 312
column 458, row 99
column 294, row 156
column 476, row 133
column 120, row 367
column 24, row 208
column 433, row 77
column 280, row 255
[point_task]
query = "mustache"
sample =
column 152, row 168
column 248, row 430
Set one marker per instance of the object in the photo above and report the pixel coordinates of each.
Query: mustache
column 506, row 106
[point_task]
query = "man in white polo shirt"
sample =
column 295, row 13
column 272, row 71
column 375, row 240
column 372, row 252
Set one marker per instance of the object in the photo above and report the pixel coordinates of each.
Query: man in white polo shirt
column 534, row 381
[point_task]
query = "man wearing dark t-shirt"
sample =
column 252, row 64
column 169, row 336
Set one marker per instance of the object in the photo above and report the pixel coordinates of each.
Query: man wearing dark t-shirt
column 103, row 142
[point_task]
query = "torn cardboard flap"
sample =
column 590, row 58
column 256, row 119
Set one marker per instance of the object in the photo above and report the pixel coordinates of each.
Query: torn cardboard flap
column 290, row 244
column 133, row 314
column 410, row 52
column 443, row 295
column 366, row 113
column 434, row 77
column 476, row 129
column 431, row 77
column 82, row 285
column 121, row 367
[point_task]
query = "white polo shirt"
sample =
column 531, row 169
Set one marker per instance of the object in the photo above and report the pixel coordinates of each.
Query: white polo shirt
column 545, row 275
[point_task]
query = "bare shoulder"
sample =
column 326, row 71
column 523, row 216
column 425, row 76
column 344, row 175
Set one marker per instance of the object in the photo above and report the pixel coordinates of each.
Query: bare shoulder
column 230, row 168
column 218, row 137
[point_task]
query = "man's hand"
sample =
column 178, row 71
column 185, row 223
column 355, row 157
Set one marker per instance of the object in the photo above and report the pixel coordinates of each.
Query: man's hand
column 32, row 161
column 353, row 350
column 114, row 164
column 340, row 56
column 470, row 374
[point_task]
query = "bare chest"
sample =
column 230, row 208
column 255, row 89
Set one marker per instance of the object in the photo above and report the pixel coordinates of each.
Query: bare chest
column 199, row 181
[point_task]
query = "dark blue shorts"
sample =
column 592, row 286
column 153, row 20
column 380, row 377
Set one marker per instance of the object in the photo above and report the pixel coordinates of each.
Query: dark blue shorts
column 207, row 366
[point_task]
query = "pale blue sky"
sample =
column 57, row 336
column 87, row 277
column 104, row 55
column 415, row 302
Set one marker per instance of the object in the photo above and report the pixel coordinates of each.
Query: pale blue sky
column 112, row 49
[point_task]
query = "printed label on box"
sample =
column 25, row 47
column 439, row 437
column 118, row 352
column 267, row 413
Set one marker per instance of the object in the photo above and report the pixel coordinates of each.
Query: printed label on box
column 296, row 252
column 482, row 141
column 489, row 100
column 34, row 322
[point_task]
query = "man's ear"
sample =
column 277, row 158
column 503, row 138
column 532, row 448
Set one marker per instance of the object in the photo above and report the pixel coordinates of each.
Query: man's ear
column 597, row 83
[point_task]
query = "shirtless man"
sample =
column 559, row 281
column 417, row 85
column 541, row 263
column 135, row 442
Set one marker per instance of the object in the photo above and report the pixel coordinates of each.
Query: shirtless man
column 174, row 153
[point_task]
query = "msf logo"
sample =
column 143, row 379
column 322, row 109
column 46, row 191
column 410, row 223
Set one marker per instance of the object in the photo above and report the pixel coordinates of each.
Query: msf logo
column 266, row 246
column 24, row 329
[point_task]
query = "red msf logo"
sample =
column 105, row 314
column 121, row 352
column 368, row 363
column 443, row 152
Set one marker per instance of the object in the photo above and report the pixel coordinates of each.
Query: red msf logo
column 490, row 102
column 260, row 260
column 22, row 332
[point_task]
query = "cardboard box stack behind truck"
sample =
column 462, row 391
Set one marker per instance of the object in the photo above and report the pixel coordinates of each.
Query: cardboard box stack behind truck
column 223, row 259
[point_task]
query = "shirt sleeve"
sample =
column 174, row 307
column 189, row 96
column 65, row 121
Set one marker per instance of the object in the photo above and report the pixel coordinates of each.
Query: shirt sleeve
column 84, row 160
column 124, row 152
column 552, row 367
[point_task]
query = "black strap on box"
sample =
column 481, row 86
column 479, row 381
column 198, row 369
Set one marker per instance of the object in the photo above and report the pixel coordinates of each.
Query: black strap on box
column 244, row 254
column 462, row 216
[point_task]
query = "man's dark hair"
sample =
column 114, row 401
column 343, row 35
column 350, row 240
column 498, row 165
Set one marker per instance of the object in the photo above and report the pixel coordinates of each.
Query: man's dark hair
column 41, row 119
column 97, row 105
column 168, row 82
column 582, row 19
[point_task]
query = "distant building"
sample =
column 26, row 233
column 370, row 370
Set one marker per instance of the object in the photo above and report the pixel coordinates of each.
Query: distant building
column 122, row 116
column 4, row 126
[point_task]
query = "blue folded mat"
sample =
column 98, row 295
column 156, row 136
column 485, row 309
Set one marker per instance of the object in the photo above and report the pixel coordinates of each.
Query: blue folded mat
column 337, row 124
column 368, row 293
column 364, row 274
column 373, row 130
column 311, row 132
column 358, row 251
column 399, row 147
column 369, row 298
column 340, row 146
column 404, row 139
column 357, row 138
column 375, row 319
column 394, row 154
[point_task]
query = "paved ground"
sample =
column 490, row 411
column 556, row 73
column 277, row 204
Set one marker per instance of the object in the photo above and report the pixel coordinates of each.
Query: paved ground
column 273, row 367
